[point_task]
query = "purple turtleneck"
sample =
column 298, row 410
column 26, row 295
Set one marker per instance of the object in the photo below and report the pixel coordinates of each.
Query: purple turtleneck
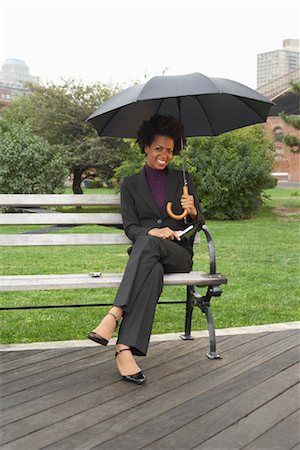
column 157, row 181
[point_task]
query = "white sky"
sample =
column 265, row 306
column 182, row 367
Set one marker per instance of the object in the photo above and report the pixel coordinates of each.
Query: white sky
column 124, row 41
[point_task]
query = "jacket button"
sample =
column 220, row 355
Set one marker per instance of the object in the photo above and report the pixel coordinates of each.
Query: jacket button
column 159, row 221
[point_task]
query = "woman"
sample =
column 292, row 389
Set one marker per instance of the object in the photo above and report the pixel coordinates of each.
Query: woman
column 157, row 247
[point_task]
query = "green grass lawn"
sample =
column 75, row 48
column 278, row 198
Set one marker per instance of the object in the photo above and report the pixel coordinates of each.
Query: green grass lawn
column 68, row 190
column 260, row 257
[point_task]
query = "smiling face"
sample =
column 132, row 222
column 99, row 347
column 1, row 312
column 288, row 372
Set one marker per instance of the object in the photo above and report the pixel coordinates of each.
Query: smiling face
column 159, row 152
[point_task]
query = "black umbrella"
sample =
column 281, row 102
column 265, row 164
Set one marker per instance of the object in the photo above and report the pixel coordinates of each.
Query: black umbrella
column 205, row 106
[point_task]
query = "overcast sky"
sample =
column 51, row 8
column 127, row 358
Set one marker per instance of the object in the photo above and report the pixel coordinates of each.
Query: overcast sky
column 124, row 41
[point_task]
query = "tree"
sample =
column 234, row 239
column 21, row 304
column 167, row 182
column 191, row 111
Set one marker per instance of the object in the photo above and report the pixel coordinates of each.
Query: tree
column 105, row 154
column 28, row 164
column 231, row 171
column 133, row 161
column 59, row 113
column 291, row 140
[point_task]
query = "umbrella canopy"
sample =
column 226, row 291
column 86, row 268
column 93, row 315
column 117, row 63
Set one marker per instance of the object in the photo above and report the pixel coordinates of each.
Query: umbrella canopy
column 205, row 106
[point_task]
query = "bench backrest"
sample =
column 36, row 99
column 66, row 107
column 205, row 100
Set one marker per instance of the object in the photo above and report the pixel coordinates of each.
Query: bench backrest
column 37, row 216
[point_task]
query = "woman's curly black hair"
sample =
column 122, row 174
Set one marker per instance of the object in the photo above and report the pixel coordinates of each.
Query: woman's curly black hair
column 160, row 125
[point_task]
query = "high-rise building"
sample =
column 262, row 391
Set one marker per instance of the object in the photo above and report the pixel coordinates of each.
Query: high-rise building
column 276, row 63
column 16, row 71
column 13, row 76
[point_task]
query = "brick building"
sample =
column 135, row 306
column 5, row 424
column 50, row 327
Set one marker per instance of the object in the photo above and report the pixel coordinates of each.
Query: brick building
column 287, row 164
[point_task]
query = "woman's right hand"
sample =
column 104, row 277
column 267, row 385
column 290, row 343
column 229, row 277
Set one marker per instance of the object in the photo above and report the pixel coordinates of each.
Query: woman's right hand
column 164, row 233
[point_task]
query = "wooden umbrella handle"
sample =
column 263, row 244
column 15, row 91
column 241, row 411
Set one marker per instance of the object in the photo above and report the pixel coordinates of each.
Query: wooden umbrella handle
column 185, row 191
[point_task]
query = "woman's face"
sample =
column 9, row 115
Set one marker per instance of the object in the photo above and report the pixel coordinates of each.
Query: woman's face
column 160, row 152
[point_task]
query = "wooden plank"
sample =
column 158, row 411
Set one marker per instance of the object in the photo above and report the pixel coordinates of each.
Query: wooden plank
column 109, row 375
column 61, row 219
column 257, row 423
column 7, row 240
column 203, row 399
column 89, row 392
column 64, row 408
column 163, row 425
column 56, row 386
column 56, row 383
column 210, row 423
column 84, row 402
column 28, row 357
column 132, row 416
column 174, row 419
column 81, row 395
column 284, row 436
column 102, row 413
column 53, row 359
column 38, row 363
column 175, row 355
column 113, row 280
column 15, row 200
column 297, row 446
column 79, row 358
column 11, row 356
column 105, row 394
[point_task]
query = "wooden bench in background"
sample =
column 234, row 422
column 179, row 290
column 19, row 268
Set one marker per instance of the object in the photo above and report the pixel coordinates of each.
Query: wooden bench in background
column 35, row 214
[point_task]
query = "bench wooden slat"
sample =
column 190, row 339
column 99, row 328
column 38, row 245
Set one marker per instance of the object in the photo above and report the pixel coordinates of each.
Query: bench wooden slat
column 24, row 240
column 16, row 200
column 60, row 219
column 112, row 280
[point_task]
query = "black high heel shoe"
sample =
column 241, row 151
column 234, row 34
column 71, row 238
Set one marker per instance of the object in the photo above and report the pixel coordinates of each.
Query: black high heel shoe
column 99, row 339
column 137, row 378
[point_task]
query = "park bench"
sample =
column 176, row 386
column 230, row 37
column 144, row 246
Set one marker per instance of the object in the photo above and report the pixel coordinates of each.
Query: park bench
column 33, row 213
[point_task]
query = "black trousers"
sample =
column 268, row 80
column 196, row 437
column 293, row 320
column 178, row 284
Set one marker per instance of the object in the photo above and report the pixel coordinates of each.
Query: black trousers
column 142, row 285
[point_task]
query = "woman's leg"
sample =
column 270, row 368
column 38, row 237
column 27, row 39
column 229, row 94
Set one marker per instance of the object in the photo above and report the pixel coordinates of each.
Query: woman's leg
column 146, row 252
column 151, row 258
column 138, row 295
column 136, row 327
column 107, row 325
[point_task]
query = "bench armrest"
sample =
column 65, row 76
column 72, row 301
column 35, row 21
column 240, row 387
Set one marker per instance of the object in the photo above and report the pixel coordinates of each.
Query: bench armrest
column 211, row 250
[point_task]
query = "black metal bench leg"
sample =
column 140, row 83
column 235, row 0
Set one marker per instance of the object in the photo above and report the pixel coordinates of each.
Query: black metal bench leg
column 212, row 335
column 193, row 298
column 188, row 314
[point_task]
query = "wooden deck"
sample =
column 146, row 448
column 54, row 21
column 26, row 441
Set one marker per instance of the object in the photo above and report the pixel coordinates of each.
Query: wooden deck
column 73, row 398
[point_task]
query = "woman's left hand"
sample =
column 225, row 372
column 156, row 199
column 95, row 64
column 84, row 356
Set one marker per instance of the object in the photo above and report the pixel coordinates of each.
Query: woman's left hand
column 187, row 202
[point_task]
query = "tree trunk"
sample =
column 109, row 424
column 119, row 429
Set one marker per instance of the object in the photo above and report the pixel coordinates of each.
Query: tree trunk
column 77, row 180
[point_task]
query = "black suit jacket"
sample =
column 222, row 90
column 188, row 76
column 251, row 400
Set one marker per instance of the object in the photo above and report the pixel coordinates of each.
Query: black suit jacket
column 140, row 212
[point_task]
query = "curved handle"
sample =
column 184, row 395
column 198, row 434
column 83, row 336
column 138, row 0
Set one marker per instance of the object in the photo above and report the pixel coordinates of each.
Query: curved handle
column 185, row 191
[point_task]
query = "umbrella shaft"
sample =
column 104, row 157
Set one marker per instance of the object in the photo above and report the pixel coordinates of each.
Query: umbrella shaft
column 183, row 165
column 181, row 144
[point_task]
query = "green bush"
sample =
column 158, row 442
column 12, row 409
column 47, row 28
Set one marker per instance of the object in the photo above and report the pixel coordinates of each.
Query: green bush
column 28, row 164
column 231, row 171
column 94, row 184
